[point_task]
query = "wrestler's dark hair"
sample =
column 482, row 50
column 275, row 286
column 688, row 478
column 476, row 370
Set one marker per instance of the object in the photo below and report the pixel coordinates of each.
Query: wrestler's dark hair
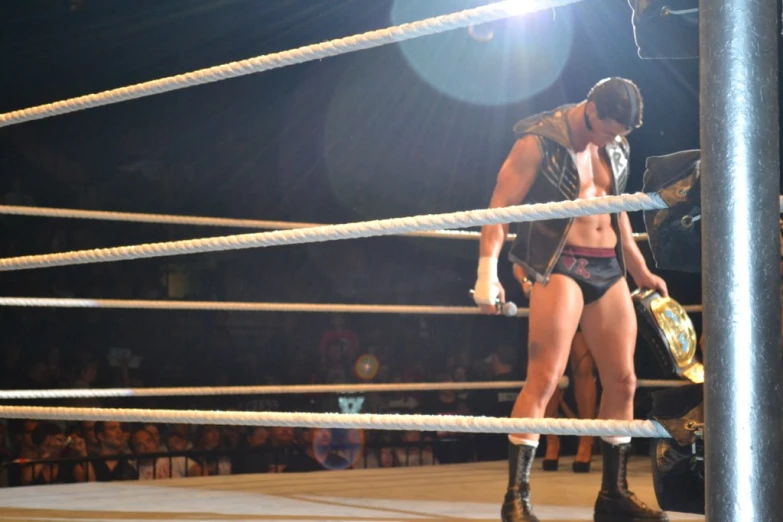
column 618, row 99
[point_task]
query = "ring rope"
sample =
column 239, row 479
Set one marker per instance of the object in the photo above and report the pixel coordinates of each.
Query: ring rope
column 368, row 40
column 233, row 306
column 169, row 219
column 295, row 389
column 383, row 227
column 449, row 423
column 362, row 229
column 202, row 391
column 44, row 302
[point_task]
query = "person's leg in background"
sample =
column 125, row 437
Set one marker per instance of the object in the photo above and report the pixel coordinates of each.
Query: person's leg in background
column 586, row 394
column 552, row 455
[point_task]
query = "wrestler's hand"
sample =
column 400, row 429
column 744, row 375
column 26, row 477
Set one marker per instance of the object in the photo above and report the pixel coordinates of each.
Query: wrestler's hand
column 488, row 290
column 649, row 280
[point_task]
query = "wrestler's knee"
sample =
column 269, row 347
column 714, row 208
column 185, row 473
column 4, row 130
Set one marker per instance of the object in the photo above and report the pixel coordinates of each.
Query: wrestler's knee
column 541, row 385
column 621, row 386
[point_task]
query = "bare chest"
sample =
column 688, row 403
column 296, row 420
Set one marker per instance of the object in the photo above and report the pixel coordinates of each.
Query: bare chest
column 595, row 173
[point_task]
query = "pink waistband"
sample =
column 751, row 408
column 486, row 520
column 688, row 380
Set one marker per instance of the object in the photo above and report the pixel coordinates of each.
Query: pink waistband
column 578, row 251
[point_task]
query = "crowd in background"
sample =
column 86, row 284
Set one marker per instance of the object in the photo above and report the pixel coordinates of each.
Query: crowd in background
column 40, row 452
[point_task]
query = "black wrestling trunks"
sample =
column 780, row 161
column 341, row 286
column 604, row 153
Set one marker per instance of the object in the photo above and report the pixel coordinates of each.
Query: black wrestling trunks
column 595, row 270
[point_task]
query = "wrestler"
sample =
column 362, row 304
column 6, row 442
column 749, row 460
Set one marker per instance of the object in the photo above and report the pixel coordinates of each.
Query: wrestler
column 585, row 392
column 578, row 265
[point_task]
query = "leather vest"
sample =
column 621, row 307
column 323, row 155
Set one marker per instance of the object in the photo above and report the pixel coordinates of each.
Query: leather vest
column 538, row 244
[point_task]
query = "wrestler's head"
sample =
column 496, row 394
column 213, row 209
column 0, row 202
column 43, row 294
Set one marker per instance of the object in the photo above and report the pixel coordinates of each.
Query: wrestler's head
column 613, row 108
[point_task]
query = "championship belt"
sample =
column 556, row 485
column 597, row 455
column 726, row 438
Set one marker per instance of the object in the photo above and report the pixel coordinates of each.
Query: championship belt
column 668, row 330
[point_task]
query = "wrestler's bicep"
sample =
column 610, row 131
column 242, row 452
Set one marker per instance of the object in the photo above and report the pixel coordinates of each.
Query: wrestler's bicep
column 518, row 173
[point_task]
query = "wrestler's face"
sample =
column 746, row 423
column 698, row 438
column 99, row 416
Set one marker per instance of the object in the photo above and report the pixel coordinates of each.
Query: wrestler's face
column 604, row 131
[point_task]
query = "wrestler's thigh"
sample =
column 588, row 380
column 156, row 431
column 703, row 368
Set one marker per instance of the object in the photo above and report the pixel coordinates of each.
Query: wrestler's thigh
column 609, row 327
column 555, row 309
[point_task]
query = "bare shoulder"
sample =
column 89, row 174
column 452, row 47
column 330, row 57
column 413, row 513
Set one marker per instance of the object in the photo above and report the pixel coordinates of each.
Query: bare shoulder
column 526, row 151
column 518, row 172
column 524, row 158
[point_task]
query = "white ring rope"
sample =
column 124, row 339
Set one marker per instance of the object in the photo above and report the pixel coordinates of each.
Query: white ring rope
column 480, row 15
column 168, row 219
column 232, row 306
column 450, row 423
column 383, row 227
column 294, row 389
column 363, row 229
column 39, row 302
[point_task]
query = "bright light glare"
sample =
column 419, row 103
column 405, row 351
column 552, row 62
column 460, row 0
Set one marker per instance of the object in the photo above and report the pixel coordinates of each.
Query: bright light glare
column 520, row 7
column 495, row 63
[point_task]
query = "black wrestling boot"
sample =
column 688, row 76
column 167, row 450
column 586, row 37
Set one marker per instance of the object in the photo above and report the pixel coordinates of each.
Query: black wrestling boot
column 615, row 503
column 516, row 505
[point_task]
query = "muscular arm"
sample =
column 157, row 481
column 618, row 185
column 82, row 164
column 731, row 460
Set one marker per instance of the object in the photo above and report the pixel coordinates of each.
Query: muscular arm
column 515, row 178
column 514, row 181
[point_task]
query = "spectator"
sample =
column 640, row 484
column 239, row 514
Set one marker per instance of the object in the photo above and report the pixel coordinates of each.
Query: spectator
column 282, row 443
column 87, row 375
column 87, row 432
column 153, row 430
column 210, row 439
column 113, row 443
column 414, row 451
column 181, row 466
column 255, row 458
column 49, row 444
column 183, row 430
column 25, row 447
column 232, row 437
column 318, row 453
column 149, row 468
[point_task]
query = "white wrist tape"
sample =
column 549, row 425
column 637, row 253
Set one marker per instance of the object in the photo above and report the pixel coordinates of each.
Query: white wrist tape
column 487, row 286
column 488, row 268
